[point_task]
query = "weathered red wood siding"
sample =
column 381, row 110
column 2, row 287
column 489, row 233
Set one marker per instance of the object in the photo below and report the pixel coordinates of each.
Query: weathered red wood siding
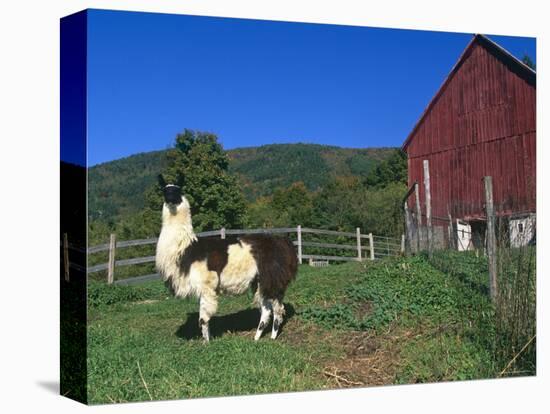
column 481, row 123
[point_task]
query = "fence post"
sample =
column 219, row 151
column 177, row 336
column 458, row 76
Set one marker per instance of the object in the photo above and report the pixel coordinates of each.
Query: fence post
column 358, row 231
column 299, row 233
column 428, row 206
column 449, row 235
column 66, row 263
column 408, row 224
column 403, row 243
column 371, row 246
column 451, row 232
column 222, row 233
column 111, row 264
column 418, row 218
column 491, row 237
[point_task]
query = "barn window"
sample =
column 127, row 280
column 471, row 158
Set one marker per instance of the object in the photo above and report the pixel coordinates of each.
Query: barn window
column 520, row 227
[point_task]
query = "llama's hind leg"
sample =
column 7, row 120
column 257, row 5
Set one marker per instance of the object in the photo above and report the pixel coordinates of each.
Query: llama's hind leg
column 278, row 313
column 265, row 307
column 208, row 307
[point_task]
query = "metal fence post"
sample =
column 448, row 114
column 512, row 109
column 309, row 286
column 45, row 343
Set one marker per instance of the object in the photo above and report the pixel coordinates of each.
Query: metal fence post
column 371, row 246
column 66, row 262
column 491, row 237
column 111, row 264
column 358, row 231
column 299, row 233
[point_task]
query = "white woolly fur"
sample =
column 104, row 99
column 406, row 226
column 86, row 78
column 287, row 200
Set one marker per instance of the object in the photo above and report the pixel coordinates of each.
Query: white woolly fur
column 175, row 236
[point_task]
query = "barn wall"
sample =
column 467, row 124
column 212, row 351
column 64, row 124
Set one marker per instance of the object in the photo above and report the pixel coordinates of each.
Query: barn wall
column 482, row 123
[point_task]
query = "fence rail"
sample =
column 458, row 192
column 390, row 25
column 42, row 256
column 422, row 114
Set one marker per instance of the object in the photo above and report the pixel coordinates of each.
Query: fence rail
column 376, row 246
column 337, row 258
column 332, row 245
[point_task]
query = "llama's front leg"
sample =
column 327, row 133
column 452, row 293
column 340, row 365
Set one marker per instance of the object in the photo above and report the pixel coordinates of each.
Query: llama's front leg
column 265, row 308
column 278, row 313
column 208, row 307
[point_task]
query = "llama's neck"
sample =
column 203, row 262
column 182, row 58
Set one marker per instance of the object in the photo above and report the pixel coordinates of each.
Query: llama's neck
column 175, row 236
column 177, row 227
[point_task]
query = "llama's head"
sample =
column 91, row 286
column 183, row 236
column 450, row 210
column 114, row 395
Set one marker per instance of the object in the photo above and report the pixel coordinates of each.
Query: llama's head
column 174, row 201
column 172, row 194
column 173, row 198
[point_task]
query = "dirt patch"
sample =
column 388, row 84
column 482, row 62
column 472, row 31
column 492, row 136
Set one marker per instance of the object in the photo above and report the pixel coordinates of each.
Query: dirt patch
column 364, row 309
column 369, row 359
column 295, row 332
column 298, row 332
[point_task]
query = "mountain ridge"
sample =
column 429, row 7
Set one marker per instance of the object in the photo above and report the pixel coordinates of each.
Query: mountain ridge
column 117, row 187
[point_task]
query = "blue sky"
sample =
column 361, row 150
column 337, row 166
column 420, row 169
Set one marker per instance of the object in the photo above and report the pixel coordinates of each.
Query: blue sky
column 258, row 82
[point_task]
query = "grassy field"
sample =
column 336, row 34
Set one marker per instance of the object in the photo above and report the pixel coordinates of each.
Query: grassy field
column 392, row 321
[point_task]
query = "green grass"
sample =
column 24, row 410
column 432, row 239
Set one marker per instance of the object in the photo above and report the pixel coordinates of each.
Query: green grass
column 144, row 344
column 443, row 357
column 176, row 368
column 143, row 324
column 507, row 330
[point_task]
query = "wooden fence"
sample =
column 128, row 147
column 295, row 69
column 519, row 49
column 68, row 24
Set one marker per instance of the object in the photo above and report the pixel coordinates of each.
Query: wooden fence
column 366, row 246
column 414, row 228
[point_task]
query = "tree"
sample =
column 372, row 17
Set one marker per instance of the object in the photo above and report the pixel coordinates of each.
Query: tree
column 392, row 170
column 198, row 164
column 287, row 207
column 260, row 213
column 383, row 210
column 294, row 204
column 346, row 203
column 336, row 205
column 528, row 61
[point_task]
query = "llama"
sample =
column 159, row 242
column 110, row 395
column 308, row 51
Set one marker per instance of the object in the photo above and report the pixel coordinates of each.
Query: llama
column 206, row 268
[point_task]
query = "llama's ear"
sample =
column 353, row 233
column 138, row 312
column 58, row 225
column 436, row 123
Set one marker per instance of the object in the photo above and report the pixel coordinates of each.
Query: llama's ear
column 161, row 181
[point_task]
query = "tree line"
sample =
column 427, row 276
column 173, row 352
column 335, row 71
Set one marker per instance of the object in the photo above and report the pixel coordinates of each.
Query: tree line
column 198, row 163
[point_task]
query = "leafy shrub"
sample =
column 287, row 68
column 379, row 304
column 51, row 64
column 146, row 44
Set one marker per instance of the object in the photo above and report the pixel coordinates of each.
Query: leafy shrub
column 395, row 288
column 338, row 315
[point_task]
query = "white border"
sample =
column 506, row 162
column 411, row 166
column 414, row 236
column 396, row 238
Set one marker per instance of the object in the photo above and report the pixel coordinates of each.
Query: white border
column 29, row 136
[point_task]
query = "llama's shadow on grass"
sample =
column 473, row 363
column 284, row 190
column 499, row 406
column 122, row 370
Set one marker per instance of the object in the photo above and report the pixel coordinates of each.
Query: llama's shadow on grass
column 242, row 321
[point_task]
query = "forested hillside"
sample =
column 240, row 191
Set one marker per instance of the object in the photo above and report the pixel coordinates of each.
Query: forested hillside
column 264, row 169
column 117, row 188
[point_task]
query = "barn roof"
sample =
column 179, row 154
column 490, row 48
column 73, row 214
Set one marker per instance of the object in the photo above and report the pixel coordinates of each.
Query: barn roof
column 512, row 63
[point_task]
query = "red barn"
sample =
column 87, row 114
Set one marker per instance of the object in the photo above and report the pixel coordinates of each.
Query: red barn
column 480, row 122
